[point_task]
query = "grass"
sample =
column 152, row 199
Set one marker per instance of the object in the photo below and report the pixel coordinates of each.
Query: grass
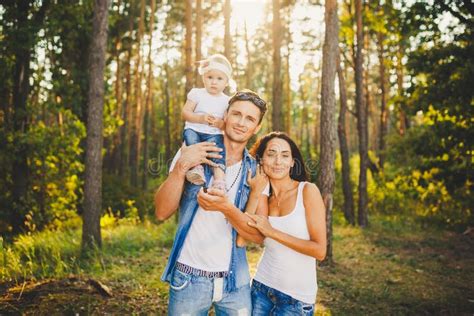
column 392, row 267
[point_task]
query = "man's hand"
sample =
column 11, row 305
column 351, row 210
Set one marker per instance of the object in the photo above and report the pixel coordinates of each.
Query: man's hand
column 197, row 154
column 214, row 200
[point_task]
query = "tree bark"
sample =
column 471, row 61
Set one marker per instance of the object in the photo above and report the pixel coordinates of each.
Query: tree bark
column 149, row 93
column 403, row 121
column 115, row 155
column 135, row 144
column 93, row 169
column 288, row 76
column 188, row 67
column 166, row 90
column 361, row 118
column 277, row 122
column 227, row 38
column 248, row 70
column 328, row 116
column 126, row 114
column 21, row 88
column 198, row 41
column 26, row 30
column 383, row 99
column 348, row 207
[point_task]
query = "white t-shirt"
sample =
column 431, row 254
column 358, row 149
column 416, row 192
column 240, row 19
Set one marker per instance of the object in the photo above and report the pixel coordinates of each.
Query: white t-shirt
column 206, row 103
column 208, row 244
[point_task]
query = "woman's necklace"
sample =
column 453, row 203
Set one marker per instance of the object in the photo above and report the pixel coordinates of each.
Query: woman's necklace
column 282, row 193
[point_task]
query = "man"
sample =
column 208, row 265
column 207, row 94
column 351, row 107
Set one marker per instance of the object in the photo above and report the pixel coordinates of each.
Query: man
column 205, row 267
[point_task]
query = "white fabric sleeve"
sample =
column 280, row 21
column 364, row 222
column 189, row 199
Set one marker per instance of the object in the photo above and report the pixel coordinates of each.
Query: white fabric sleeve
column 193, row 95
column 266, row 191
column 175, row 160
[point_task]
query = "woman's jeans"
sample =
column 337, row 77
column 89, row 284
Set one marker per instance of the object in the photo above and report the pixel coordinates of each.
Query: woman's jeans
column 268, row 301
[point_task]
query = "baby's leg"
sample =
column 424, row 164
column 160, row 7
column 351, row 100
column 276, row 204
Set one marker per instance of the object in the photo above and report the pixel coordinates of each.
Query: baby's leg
column 194, row 175
column 219, row 179
column 219, row 170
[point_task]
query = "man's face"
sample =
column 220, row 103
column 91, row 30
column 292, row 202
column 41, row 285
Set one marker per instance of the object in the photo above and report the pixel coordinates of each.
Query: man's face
column 242, row 121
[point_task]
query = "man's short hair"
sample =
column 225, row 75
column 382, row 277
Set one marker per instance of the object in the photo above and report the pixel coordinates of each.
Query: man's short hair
column 249, row 95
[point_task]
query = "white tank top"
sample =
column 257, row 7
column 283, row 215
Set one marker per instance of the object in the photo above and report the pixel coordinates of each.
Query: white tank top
column 284, row 269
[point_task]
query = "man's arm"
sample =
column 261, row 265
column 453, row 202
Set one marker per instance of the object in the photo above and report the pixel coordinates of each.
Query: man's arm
column 216, row 200
column 168, row 195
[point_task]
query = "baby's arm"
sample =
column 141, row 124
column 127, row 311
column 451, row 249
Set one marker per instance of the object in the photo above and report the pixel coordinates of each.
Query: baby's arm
column 188, row 113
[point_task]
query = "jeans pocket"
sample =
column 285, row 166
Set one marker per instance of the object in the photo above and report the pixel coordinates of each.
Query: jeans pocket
column 180, row 280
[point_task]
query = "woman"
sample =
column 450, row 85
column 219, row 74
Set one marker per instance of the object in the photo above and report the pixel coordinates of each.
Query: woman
column 294, row 224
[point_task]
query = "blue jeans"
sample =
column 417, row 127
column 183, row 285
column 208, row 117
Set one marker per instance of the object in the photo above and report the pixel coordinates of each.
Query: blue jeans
column 195, row 295
column 192, row 137
column 268, row 301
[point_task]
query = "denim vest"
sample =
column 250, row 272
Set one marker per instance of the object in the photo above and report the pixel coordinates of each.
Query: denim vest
column 238, row 269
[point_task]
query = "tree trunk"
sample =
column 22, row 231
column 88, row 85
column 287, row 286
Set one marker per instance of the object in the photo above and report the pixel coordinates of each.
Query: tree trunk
column 166, row 90
column 383, row 100
column 115, row 155
column 316, row 139
column 248, row 70
column 288, row 75
column 135, row 143
column 21, row 88
column 188, row 67
column 112, row 143
column 149, row 93
column 328, row 116
column 403, row 121
column 93, row 168
column 277, row 122
column 227, row 38
column 372, row 118
column 361, row 118
column 348, row 207
column 197, row 78
column 126, row 113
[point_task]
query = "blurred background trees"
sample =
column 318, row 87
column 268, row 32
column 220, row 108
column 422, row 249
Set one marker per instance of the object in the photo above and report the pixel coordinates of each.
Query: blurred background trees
column 407, row 68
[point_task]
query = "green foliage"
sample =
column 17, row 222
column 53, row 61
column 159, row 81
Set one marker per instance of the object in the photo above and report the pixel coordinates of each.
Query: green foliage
column 55, row 254
column 55, row 167
column 123, row 200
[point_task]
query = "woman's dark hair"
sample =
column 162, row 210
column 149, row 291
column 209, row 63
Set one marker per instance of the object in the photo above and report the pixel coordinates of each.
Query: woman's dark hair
column 298, row 171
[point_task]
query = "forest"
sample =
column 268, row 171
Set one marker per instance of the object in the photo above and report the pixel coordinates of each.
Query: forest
column 377, row 94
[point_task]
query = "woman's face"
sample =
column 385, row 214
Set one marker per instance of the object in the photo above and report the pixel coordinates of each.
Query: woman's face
column 277, row 159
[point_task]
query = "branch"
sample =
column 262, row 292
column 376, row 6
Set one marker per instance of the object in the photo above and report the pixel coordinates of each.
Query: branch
column 373, row 166
column 352, row 112
column 457, row 14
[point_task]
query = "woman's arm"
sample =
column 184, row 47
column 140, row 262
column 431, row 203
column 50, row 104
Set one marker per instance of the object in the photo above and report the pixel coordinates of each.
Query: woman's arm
column 315, row 220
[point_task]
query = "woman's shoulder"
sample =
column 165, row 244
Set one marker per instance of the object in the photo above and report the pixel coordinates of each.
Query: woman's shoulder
column 310, row 189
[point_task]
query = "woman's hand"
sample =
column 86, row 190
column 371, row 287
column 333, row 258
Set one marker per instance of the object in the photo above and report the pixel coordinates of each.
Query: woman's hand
column 259, row 182
column 261, row 223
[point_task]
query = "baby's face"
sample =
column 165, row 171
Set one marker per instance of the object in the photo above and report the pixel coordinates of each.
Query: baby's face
column 215, row 81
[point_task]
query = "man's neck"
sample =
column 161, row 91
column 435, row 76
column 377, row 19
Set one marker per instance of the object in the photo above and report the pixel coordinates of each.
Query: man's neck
column 233, row 151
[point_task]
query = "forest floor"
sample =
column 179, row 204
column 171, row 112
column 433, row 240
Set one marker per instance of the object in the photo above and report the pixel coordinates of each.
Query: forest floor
column 392, row 267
